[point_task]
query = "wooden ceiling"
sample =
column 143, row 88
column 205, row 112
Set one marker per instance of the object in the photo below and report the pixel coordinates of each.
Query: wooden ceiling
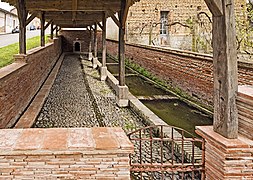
column 73, row 13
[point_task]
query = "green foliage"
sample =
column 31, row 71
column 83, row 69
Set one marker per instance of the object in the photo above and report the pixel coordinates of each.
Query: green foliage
column 7, row 52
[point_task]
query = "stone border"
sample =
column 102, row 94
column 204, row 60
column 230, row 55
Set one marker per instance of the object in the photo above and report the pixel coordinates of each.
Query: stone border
column 33, row 110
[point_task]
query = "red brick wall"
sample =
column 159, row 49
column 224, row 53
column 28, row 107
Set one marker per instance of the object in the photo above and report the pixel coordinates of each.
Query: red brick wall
column 60, row 153
column 19, row 85
column 191, row 72
column 69, row 36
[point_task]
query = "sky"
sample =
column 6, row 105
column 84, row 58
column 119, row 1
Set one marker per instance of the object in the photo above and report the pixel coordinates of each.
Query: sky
column 5, row 6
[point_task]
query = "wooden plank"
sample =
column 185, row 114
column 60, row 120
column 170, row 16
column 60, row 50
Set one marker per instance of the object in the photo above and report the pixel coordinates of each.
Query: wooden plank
column 22, row 15
column 215, row 6
column 225, row 72
column 104, row 40
column 42, row 29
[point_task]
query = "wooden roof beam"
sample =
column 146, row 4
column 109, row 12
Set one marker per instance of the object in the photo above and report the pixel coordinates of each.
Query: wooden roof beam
column 74, row 8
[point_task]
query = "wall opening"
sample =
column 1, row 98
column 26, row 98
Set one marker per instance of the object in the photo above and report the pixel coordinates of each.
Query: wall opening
column 76, row 46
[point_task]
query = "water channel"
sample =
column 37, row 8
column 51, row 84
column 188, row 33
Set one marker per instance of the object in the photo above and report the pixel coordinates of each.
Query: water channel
column 173, row 111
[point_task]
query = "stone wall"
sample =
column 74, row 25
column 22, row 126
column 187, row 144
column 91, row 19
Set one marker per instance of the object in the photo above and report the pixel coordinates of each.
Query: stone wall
column 21, row 80
column 77, row 153
column 188, row 71
column 69, row 36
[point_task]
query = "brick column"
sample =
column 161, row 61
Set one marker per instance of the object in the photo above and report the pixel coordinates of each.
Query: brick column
column 226, row 158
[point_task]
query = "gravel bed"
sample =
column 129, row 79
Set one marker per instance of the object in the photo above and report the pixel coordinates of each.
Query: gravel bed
column 79, row 99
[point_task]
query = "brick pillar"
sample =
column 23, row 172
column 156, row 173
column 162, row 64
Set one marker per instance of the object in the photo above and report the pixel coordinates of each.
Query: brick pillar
column 226, row 159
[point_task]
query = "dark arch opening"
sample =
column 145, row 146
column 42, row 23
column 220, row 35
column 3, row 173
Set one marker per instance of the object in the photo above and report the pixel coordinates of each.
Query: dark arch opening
column 77, row 47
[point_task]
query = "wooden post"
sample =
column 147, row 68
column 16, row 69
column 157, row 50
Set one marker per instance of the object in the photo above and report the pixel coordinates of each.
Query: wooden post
column 90, row 45
column 95, row 42
column 22, row 15
column 52, row 31
column 225, row 68
column 103, row 69
column 104, row 40
column 121, row 52
column 56, row 31
column 122, row 91
column 42, row 35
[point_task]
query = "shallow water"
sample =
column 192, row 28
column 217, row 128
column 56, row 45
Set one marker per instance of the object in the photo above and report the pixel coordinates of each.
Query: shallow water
column 179, row 114
column 114, row 69
column 138, row 86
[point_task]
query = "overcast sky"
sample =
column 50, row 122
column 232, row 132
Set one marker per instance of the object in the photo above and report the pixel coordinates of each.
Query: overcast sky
column 5, row 6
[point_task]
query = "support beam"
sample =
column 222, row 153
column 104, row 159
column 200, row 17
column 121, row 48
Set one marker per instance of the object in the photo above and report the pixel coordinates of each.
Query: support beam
column 90, row 45
column 74, row 8
column 215, row 6
column 95, row 58
column 42, row 29
column 100, row 25
column 114, row 18
column 103, row 70
column 122, row 90
column 225, row 72
column 33, row 15
column 22, row 15
column 52, row 31
column 57, row 30
column 47, row 25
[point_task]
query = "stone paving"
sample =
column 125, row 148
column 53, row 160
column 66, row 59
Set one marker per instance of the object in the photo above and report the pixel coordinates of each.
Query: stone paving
column 79, row 99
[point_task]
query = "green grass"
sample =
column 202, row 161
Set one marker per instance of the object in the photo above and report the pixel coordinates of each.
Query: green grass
column 7, row 52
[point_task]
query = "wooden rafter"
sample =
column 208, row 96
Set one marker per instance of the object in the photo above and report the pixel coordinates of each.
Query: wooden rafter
column 74, row 8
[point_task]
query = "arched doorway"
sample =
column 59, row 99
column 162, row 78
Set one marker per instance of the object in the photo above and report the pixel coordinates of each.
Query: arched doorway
column 77, row 47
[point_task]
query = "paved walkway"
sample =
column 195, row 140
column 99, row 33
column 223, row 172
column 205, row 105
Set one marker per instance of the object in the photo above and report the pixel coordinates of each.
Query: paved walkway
column 79, row 99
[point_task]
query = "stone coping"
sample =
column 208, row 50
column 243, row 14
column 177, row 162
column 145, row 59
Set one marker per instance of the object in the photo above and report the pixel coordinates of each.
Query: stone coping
column 7, row 70
column 246, row 91
column 64, row 140
column 207, row 133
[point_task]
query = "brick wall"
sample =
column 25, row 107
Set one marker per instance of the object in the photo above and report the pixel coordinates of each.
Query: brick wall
column 20, row 81
column 191, row 72
column 82, row 153
column 226, row 159
column 245, row 111
column 72, row 35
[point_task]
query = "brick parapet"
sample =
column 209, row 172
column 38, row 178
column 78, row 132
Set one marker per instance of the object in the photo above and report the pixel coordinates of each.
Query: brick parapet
column 20, row 81
column 189, row 71
column 226, row 158
column 78, row 153
column 245, row 111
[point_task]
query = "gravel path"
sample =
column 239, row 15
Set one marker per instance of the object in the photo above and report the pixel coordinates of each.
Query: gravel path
column 79, row 99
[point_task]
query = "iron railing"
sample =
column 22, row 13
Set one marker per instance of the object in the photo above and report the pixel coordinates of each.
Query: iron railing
column 166, row 152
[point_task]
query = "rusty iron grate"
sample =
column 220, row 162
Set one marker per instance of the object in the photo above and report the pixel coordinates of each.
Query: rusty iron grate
column 166, row 152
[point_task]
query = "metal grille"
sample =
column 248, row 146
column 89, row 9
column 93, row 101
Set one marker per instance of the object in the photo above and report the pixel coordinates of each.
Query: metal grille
column 166, row 152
